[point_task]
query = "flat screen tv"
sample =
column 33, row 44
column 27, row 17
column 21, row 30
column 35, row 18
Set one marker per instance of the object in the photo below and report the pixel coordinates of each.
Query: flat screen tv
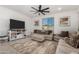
column 16, row 24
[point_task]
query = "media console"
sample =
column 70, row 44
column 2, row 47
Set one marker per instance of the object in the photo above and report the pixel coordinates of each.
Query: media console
column 16, row 34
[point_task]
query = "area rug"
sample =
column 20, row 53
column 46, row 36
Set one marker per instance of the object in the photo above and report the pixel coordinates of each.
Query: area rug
column 34, row 47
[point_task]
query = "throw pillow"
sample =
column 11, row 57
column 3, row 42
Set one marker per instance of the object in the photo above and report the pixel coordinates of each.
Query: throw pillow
column 64, row 34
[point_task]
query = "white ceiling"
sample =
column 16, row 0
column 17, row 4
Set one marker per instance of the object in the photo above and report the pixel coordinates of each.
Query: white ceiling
column 26, row 9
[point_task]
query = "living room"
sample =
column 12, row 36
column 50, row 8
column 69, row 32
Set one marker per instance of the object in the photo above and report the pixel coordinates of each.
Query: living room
column 45, row 29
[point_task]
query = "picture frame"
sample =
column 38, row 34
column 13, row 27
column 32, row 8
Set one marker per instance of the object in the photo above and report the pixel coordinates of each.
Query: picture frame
column 64, row 21
column 36, row 23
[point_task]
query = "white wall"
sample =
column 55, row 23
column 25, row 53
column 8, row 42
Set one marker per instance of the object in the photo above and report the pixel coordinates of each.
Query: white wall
column 7, row 14
column 73, row 18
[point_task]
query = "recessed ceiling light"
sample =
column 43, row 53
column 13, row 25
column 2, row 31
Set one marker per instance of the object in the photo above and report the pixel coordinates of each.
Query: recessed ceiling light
column 59, row 9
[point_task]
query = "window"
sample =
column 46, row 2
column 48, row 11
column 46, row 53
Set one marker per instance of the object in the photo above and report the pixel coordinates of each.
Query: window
column 47, row 22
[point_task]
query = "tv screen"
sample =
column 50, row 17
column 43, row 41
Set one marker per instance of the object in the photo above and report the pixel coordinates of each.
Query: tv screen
column 16, row 24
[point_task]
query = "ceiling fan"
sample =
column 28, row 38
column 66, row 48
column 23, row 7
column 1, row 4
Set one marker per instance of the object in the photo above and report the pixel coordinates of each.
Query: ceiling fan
column 40, row 10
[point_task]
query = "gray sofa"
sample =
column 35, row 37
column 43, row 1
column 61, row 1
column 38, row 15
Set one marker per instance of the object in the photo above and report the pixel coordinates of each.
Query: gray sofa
column 64, row 48
column 41, row 35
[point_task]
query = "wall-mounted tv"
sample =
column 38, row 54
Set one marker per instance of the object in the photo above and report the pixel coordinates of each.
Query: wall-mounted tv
column 16, row 24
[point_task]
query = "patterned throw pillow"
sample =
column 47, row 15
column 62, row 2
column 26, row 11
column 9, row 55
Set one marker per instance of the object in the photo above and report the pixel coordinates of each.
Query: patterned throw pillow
column 64, row 34
column 68, row 40
column 75, row 40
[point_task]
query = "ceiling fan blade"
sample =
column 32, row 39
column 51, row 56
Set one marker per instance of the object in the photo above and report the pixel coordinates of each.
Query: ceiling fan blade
column 34, row 8
column 40, row 7
column 32, row 11
column 45, row 9
column 38, row 13
column 43, row 13
column 35, row 12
